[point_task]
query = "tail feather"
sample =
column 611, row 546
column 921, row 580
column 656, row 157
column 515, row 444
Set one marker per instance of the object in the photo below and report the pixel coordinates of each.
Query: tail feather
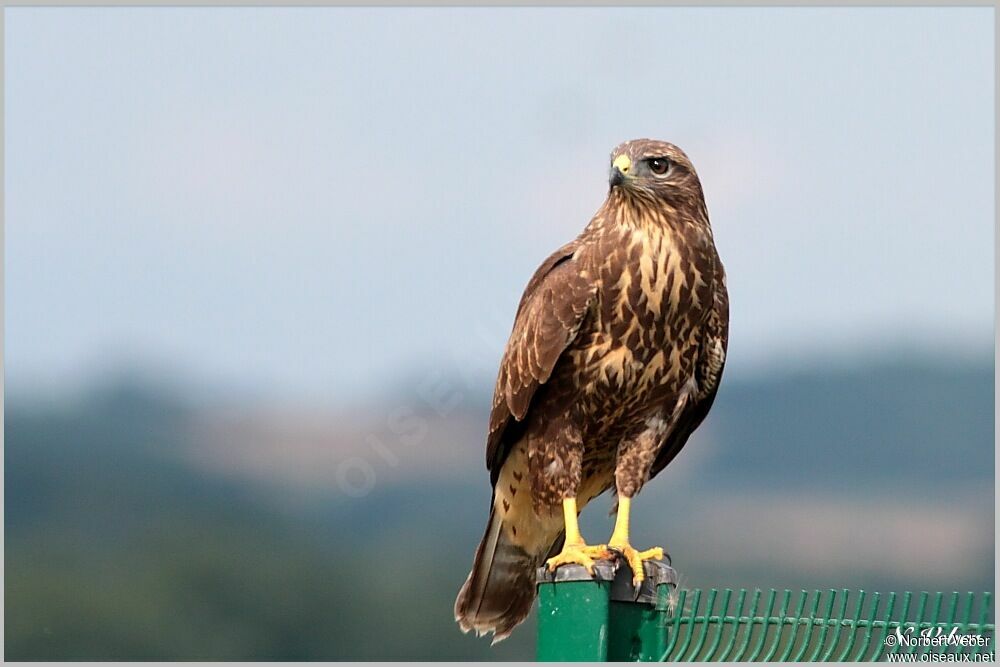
column 500, row 589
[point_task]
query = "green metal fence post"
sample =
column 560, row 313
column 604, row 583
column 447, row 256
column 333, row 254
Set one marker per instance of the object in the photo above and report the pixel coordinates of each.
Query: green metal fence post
column 638, row 618
column 603, row 617
column 573, row 613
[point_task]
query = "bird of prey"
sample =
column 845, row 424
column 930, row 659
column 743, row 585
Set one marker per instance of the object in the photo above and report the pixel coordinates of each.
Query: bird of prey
column 614, row 359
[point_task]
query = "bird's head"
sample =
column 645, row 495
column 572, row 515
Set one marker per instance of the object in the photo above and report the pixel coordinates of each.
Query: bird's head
column 654, row 170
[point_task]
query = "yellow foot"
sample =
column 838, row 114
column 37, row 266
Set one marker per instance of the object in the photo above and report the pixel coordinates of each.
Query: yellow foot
column 636, row 558
column 580, row 554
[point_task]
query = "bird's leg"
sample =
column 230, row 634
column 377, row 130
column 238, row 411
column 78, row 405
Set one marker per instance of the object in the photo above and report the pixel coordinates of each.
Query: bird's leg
column 575, row 550
column 619, row 542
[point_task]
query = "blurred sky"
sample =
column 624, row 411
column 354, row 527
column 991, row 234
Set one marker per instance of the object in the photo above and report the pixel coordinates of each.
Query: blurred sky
column 310, row 202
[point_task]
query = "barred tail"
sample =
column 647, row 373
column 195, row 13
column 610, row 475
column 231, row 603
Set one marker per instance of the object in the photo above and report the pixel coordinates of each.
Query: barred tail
column 500, row 589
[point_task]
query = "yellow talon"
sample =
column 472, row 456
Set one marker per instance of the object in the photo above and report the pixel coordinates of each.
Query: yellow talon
column 635, row 558
column 575, row 550
column 580, row 554
column 619, row 542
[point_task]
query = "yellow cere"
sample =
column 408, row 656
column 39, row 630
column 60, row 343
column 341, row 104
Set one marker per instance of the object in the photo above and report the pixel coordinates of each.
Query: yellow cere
column 623, row 163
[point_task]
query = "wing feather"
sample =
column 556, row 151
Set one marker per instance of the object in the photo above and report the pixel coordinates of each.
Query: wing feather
column 550, row 313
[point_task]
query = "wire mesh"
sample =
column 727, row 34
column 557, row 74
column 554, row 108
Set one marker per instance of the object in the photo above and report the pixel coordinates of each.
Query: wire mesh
column 820, row 626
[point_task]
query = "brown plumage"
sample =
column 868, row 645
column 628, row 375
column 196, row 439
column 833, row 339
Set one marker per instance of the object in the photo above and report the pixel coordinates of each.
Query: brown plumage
column 614, row 359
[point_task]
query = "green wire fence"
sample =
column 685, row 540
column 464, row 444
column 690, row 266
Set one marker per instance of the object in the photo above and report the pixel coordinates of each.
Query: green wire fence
column 602, row 617
column 820, row 627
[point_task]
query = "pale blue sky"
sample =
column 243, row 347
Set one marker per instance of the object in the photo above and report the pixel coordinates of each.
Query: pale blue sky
column 311, row 202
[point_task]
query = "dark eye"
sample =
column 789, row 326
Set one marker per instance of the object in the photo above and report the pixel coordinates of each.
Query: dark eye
column 659, row 165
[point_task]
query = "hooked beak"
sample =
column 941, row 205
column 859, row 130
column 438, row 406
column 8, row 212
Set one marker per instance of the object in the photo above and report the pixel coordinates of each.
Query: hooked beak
column 619, row 169
column 617, row 177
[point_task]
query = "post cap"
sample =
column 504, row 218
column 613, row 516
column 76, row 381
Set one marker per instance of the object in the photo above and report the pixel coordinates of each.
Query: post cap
column 620, row 576
column 604, row 570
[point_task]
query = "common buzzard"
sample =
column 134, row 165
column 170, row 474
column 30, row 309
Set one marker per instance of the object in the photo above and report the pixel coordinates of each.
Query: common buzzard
column 614, row 360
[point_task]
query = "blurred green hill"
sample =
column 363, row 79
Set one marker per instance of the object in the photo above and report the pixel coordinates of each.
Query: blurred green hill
column 133, row 532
